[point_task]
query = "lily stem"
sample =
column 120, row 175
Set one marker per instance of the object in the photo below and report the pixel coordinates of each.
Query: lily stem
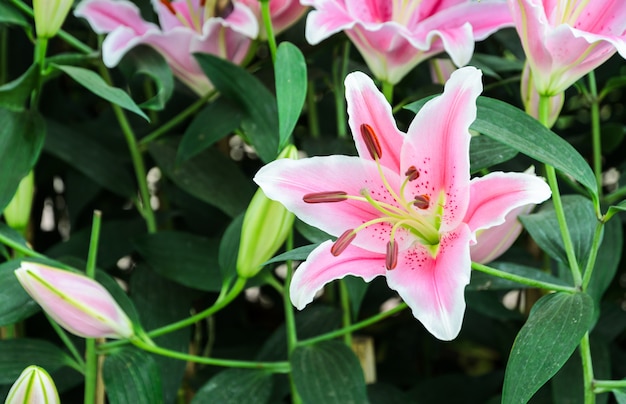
column 340, row 70
column 267, row 22
column 140, row 169
column 523, row 280
column 544, row 107
column 290, row 319
column 595, row 131
column 585, row 354
column 346, row 312
column 314, row 125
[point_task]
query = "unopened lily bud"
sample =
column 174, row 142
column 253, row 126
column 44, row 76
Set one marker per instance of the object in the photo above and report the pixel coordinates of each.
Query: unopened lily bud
column 78, row 303
column 50, row 15
column 17, row 212
column 266, row 225
column 34, row 386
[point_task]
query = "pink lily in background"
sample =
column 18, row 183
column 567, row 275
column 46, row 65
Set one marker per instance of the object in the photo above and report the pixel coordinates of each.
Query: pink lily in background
column 77, row 303
column 393, row 36
column 405, row 208
column 186, row 28
column 566, row 39
column 284, row 14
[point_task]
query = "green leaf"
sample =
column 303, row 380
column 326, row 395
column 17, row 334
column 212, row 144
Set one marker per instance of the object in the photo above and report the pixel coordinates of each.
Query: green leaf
column 516, row 129
column 328, row 372
column 229, row 248
column 182, row 257
column 260, row 122
column 21, row 139
column 91, row 158
column 291, row 83
column 620, row 207
column 13, row 95
column 10, row 15
column 297, row 254
column 554, row 328
column 17, row 354
column 483, row 281
column 210, row 177
column 144, row 60
column 486, row 152
column 214, row 122
column 131, row 376
column 16, row 304
column 543, row 226
column 620, row 395
column 94, row 83
column 236, row 386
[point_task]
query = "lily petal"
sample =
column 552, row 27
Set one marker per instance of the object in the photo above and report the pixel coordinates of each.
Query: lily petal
column 444, row 165
column 321, row 267
column 288, row 181
column 434, row 287
column 496, row 194
column 366, row 105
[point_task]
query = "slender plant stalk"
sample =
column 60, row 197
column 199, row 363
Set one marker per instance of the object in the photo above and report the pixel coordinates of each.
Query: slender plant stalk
column 135, row 154
column 356, row 326
column 340, row 70
column 274, row 367
column 585, row 354
column 91, row 357
column 616, row 196
column 544, row 105
column 79, row 363
column 346, row 311
column 595, row 131
column 388, row 91
column 16, row 246
column 604, row 386
column 593, row 254
column 523, row 280
column 162, row 129
column 314, row 125
column 267, row 22
column 290, row 320
column 41, row 47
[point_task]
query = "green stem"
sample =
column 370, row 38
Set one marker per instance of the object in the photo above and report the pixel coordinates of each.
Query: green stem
column 544, row 107
column 162, row 129
column 314, row 125
column 388, row 91
column 605, row 386
column 340, row 70
column 274, row 367
column 68, row 38
column 290, row 319
column 41, row 48
column 585, row 354
column 593, row 254
column 523, row 280
column 135, row 154
column 91, row 357
column 347, row 313
column 16, row 246
column 595, row 131
column 267, row 22
column 616, row 196
column 79, row 364
column 356, row 326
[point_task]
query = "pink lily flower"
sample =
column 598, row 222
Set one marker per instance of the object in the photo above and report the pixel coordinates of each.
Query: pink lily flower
column 186, row 28
column 284, row 14
column 405, row 208
column 394, row 36
column 566, row 39
column 77, row 303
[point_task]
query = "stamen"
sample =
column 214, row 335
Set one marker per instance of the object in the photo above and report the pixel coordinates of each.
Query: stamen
column 343, row 242
column 412, row 173
column 202, row 3
column 371, row 141
column 422, row 201
column 223, row 8
column 169, row 6
column 391, row 258
column 325, row 197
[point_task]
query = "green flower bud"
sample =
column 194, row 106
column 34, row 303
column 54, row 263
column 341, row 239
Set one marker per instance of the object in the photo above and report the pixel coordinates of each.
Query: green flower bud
column 50, row 15
column 17, row 212
column 33, row 386
column 266, row 225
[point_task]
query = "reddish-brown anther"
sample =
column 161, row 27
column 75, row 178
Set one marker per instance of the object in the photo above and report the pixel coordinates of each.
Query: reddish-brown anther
column 391, row 257
column 371, row 141
column 422, row 201
column 325, row 197
column 343, row 242
column 412, row 173
column 169, row 6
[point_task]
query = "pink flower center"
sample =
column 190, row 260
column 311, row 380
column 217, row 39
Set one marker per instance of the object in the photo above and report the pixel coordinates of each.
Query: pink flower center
column 412, row 216
column 193, row 17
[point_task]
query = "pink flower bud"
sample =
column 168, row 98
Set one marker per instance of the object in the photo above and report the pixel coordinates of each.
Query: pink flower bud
column 78, row 303
column 34, row 386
